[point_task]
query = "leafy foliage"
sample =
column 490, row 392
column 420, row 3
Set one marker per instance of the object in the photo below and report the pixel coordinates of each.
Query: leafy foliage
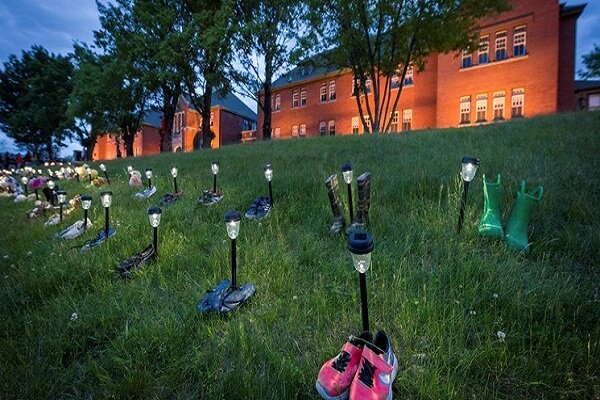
column 592, row 64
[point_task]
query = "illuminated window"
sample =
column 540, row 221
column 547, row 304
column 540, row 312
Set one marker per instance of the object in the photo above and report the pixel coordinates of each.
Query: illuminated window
column 332, row 127
column 594, row 102
column 367, row 127
column 520, row 41
column 355, row 122
column 322, row 128
column 276, row 132
column 303, row 130
column 483, row 53
column 323, row 93
column 517, row 102
column 295, row 99
column 467, row 59
column 481, row 107
column 356, row 87
column 499, row 100
column 407, row 119
column 295, row 131
column 368, row 85
column 501, row 46
column 395, row 116
column 277, row 102
column 331, row 90
column 396, row 79
column 303, row 98
column 409, row 77
column 465, row 110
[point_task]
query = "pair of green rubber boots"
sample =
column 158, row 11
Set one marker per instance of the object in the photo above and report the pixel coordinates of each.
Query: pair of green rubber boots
column 490, row 224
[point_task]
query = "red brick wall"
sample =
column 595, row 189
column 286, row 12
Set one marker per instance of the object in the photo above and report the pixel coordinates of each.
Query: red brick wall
column 230, row 127
column 149, row 140
column 566, row 65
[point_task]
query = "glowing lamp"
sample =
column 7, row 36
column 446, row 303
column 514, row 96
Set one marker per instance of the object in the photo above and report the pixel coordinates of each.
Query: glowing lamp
column 360, row 244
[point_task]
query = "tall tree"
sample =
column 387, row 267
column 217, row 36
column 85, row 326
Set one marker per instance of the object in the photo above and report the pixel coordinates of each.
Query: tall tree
column 592, row 64
column 34, row 92
column 209, row 26
column 270, row 39
column 379, row 40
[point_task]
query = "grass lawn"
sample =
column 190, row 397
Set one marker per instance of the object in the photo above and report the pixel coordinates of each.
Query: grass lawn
column 441, row 297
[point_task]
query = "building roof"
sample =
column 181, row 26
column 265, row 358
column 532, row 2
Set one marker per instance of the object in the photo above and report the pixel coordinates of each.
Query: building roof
column 153, row 118
column 574, row 10
column 233, row 104
column 303, row 73
column 586, row 85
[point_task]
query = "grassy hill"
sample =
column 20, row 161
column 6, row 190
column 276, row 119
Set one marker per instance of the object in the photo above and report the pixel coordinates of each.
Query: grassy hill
column 441, row 297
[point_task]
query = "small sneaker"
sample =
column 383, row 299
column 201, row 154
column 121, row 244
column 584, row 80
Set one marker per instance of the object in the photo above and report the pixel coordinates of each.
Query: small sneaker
column 336, row 375
column 378, row 369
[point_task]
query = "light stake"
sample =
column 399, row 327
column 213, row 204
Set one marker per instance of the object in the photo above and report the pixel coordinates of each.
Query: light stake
column 106, row 198
column 103, row 169
column 468, row 170
column 61, row 196
column 89, row 172
column 360, row 244
column 51, row 185
column 232, row 223
column 154, row 218
column 24, row 181
column 269, row 177
column 214, row 166
column 86, row 203
column 174, row 175
column 348, row 175
column 149, row 176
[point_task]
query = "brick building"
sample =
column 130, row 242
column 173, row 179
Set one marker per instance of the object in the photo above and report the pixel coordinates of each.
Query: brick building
column 524, row 66
column 231, row 119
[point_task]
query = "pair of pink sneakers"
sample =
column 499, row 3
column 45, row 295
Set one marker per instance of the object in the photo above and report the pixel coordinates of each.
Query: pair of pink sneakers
column 363, row 370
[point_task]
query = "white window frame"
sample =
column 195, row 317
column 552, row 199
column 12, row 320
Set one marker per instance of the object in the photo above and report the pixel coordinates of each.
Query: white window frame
column 323, row 93
column 501, row 44
column 322, row 128
column 481, row 101
column 409, row 78
column 483, row 50
column 407, row 119
column 355, row 125
column 499, row 104
column 302, row 130
column 277, row 132
column 295, row 98
column 467, row 56
column 520, row 41
column 332, row 94
column 367, row 123
column 465, row 110
column 331, row 127
column 294, row 131
column 303, row 97
column 517, row 102
column 594, row 101
column 277, row 102
column 395, row 121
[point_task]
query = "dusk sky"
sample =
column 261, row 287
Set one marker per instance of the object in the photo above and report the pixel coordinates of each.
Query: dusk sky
column 56, row 24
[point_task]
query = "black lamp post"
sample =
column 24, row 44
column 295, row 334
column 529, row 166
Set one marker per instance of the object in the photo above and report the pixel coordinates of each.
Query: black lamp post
column 25, row 181
column 269, row 178
column 214, row 166
column 174, row 173
column 348, row 175
column 86, row 203
column 106, row 198
column 103, row 169
column 154, row 218
column 89, row 172
column 149, row 176
column 51, row 185
column 468, row 170
column 232, row 223
column 360, row 244
column 61, row 196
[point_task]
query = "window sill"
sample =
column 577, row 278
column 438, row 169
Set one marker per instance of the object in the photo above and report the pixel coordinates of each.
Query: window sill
column 491, row 63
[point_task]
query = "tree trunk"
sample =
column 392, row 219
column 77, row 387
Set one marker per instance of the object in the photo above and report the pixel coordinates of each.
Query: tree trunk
column 268, row 89
column 207, row 134
column 118, row 145
column 169, row 106
column 50, row 151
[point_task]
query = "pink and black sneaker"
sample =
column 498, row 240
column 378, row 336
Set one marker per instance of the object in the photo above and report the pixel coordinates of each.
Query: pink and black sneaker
column 336, row 375
column 378, row 369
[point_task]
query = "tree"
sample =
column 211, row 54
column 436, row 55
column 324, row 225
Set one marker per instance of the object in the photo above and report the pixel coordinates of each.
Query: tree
column 269, row 40
column 592, row 64
column 379, row 40
column 34, row 93
column 209, row 26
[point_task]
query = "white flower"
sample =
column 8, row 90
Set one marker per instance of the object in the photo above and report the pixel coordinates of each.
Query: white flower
column 495, row 295
column 501, row 336
column 29, row 253
column 473, row 312
column 74, row 316
column 295, row 297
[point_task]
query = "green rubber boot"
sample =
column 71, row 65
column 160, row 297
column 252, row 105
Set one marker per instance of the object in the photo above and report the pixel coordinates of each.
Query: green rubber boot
column 490, row 224
column 516, row 228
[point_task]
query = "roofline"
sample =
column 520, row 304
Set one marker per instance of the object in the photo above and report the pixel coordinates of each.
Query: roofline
column 336, row 72
column 571, row 11
column 219, row 106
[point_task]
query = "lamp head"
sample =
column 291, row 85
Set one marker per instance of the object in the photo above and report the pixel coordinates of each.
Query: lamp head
column 232, row 223
column 154, row 216
column 61, row 196
column 51, row 185
column 86, row 201
column 214, row 166
column 106, row 198
column 360, row 244
column 50, row 172
column 102, row 167
column 347, row 173
column 149, row 173
column 469, row 168
column 24, row 180
column 174, row 172
column 129, row 168
column 268, row 172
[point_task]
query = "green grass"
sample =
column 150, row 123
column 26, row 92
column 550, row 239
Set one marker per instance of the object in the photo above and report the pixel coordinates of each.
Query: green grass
column 440, row 296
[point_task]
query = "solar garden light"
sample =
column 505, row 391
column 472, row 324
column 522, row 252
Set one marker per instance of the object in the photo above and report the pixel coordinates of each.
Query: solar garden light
column 347, row 174
column 360, row 244
column 149, row 176
column 269, row 178
column 154, row 218
column 103, row 169
column 232, row 223
column 39, row 171
column 214, row 166
column 86, row 203
column 50, row 172
column 129, row 169
column 51, row 185
column 24, row 181
column 89, row 172
column 468, row 170
column 174, row 175
column 106, row 198
column 61, row 196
